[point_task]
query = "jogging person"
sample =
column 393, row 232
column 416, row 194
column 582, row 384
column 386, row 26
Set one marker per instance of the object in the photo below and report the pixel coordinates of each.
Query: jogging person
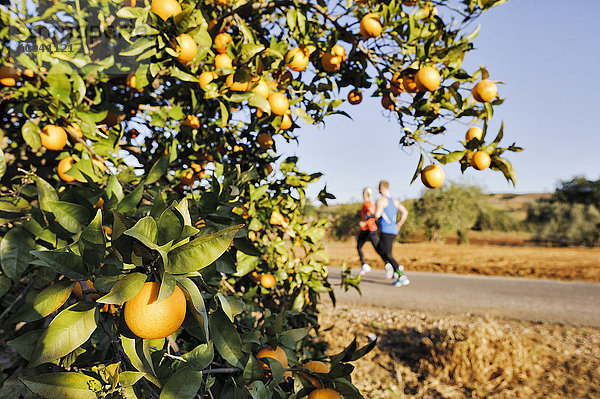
column 386, row 212
column 368, row 229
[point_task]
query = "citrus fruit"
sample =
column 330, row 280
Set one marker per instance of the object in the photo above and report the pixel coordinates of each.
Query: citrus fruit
column 221, row 42
column 279, row 103
column 188, row 178
column 485, row 91
column 427, row 79
column 325, row 393
column 264, row 140
column 53, row 137
column 387, row 102
column 150, row 319
column 331, row 62
column 243, row 84
column 274, row 353
column 355, row 97
column 432, row 176
column 268, row 281
column 261, row 88
column 63, row 167
column 408, row 83
column 77, row 290
column 192, row 121
column 8, row 76
column 187, row 48
column 165, row 8
column 370, row 26
column 396, row 84
column 481, row 160
column 316, row 367
column 297, row 59
column 286, row 122
column 339, row 51
column 206, row 77
column 474, row 133
column 131, row 80
column 223, row 61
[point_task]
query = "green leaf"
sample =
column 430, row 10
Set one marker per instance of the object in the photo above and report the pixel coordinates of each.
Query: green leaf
column 167, row 286
column 31, row 134
column 418, row 170
column 132, row 348
column 200, row 357
column 25, row 344
column 138, row 47
column 2, row 164
column 256, row 100
column 92, row 242
column 67, row 385
column 66, row 263
column 5, row 285
column 506, row 168
column 193, row 295
column 245, row 263
column 145, row 231
column 46, row 302
column 131, row 200
column 170, row 226
column 125, row 289
column 184, row 211
column 200, row 252
column 249, row 50
column 182, row 385
column 15, row 250
column 225, row 337
column 158, row 170
column 70, row 216
column 68, row 331
column 46, row 193
column 131, row 12
column 114, row 188
column 231, row 305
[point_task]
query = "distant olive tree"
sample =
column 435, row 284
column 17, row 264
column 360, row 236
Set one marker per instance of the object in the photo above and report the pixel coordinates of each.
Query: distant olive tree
column 578, row 190
column 564, row 223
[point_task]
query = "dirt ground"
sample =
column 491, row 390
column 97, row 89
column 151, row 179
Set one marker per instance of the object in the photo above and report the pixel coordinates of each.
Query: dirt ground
column 422, row 355
column 488, row 254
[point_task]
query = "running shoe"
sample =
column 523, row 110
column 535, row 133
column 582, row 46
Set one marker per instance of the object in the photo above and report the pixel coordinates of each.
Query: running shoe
column 389, row 271
column 398, row 273
column 403, row 280
column 364, row 269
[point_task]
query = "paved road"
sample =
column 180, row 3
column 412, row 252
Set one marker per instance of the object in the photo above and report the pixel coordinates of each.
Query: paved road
column 517, row 298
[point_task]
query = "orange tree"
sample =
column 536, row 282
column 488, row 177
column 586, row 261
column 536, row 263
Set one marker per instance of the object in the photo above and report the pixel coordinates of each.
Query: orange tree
column 149, row 248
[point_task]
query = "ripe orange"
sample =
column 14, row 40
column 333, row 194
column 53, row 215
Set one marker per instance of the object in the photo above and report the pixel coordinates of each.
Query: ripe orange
column 221, row 42
column 325, row 393
column 149, row 319
column 165, row 8
column 238, row 85
column 223, row 61
column 206, row 77
column 315, row 367
column 188, row 178
column 63, row 167
column 77, row 290
column 396, row 84
column 187, row 48
column 339, row 51
column 264, row 140
column 286, row 122
column 274, row 353
column 268, row 281
column 192, row 121
column 409, row 84
column 432, row 176
column 387, row 102
column 427, row 79
column 355, row 97
column 370, row 26
column 261, row 88
column 481, row 160
column 297, row 59
column 53, row 137
column 279, row 103
column 485, row 91
column 29, row 73
column 9, row 76
column 474, row 132
column 331, row 62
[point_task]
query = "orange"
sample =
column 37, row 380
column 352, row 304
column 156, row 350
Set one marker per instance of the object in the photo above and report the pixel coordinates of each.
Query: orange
column 297, row 59
column 409, row 84
column 355, row 97
column 427, row 79
column 8, row 76
column 370, row 26
column 485, row 91
column 268, row 281
column 432, row 176
column 286, row 122
column 277, row 219
column 274, row 353
column 223, row 61
column 279, row 103
column 339, row 51
column 187, row 48
column 221, row 42
column 165, row 8
column 63, row 167
column 259, row 113
column 387, row 102
column 315, row 367
column 29, row 73
column 53, row 137
column 188, row 178
column 396, row 84
column 206, row 77
column 131, row 81
column 150, row 319
column 331, row 62
column 325, row 393
column 192, row 121
column 261, row 88
column 481, row 160
column 474, row 133
column 238, row 85
column 77, row 290
column 221, row 2
column 264, row 140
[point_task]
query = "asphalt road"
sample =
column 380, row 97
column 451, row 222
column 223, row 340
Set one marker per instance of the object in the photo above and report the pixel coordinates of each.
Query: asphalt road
column 575, row 303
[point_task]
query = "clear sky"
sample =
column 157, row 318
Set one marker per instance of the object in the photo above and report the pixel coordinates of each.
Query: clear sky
column 548, row 54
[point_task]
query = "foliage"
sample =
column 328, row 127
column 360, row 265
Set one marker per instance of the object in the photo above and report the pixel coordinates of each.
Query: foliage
column 578, row 190
column 492, row 219
column 344, row 223
column 172, row 182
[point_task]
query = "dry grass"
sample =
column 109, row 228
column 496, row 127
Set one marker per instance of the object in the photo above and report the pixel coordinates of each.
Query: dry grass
column 428, row 356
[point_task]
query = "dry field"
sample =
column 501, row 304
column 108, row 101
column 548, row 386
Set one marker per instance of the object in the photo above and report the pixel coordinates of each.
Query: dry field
column 460, row 356
column 488, row 254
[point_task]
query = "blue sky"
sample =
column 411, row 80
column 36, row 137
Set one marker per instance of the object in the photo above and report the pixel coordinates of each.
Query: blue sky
column 546, row 51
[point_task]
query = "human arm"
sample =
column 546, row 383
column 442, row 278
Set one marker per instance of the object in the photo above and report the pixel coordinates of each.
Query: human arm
column 380, row 206
column 403, row 213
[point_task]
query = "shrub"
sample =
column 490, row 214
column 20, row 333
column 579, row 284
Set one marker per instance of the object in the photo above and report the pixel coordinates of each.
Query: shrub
column 568, row 224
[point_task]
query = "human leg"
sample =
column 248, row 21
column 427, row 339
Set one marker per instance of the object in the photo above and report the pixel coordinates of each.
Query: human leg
column 362, row 238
